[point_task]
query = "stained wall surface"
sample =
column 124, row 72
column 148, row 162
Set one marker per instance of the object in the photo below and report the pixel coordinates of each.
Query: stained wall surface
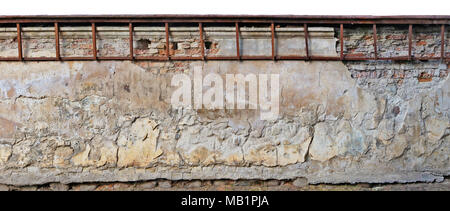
column 107, row 121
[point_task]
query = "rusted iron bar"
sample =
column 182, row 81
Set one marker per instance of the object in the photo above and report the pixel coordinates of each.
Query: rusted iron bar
column 94, row 41
column 443, row 42
column 113, row 58
column 130, row 26
column 186, row 58
column 397, row 58
column 325, row 58
column 238, row 51
column 375, row 41
column 294, row 19
column 272, row 27
column 289, row 21
column 40, row 59
column 357, row 58
column 305, row 29
column 291, row 58
column 9, row 58
column 202, row 42
column 410, row 42
column 58, row 55
column 167, row 41
column 341, row 41
column 426, row 58
column 19, row 41
column 147, row 58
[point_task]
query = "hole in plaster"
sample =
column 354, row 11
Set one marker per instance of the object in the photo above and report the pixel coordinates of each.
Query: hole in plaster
column 208, row 44
column 143, row 44
column 174, row 46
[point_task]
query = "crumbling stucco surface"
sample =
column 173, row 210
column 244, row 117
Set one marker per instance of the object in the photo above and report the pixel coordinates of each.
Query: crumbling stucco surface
column 89, row 121
column 112, row 121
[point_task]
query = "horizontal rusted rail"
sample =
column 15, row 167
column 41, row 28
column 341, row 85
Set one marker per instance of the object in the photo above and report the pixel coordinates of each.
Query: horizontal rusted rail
column 186, row 58
column 229, row 19
column 304, row 21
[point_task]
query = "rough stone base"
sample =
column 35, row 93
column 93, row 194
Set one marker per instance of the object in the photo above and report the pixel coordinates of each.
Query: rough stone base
column 229, row 185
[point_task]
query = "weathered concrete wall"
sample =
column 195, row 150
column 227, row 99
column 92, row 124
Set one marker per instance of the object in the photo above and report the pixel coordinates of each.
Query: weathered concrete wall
column 75, row 122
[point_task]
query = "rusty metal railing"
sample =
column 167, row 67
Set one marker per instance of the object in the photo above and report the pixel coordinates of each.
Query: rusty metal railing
column 236, row 20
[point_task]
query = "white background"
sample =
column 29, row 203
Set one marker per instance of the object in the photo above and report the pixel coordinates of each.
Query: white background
column 255, row 7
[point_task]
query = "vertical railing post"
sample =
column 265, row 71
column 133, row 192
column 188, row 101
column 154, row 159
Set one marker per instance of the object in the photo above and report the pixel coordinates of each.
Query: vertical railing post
column 375, row 41
column 305, row 29
column 410, row 42
column 19, row 41
column 58, row 55
column 443, row 42
column 202, row 42
column 238, row 51
column 272, row 27
column 341, row 41
column 130, row 27
column 167, row 41
column 94, row 41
